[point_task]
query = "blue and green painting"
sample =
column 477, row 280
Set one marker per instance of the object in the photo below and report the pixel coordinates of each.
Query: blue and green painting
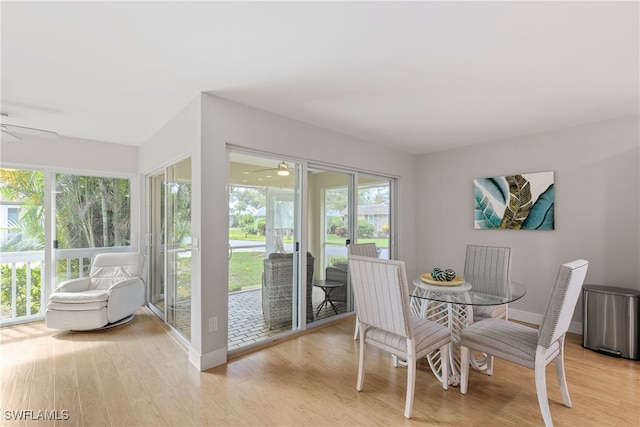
column 514, row 202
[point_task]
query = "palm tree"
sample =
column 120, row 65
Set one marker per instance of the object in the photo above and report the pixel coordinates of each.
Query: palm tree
column 92, row 211
column 26, row 189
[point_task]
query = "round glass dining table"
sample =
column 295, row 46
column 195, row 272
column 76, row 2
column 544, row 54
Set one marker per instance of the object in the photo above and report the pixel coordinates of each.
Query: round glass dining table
column 452, row 306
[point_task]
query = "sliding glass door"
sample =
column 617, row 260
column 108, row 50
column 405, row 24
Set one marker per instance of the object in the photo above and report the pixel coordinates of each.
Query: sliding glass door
column 274, row 287
column 345, row 207
column 264, row 250
column 156, row 243
column 330, row 228
column 169, row 245
column 375, row 216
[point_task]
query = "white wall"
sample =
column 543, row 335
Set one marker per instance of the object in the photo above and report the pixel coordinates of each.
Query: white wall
column 177, row 139
column 597, row 188
column 64, row 153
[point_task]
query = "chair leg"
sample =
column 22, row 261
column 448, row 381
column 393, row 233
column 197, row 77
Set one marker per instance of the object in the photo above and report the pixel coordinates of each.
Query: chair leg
column 411, row 384
column 489, row 365
column 361, row 362
column 356, row 333
column 444, row 355
column 465, row 356
column 562, row 379
column 541, row 387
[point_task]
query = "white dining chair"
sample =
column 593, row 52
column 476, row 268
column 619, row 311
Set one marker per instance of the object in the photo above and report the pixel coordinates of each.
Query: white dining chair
column 362, row 249
column 488, row 269
column 385, row 320
column 530, row 347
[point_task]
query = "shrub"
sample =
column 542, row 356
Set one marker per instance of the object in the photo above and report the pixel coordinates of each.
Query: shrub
column 365, row 229
column 261, row 226
column 334, row 223
column 250, row 229
column 341, row 231
column 335, row 260
column 21, row 289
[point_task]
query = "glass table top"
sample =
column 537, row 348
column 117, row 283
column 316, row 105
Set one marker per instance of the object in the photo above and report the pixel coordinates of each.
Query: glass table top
column 471, row 292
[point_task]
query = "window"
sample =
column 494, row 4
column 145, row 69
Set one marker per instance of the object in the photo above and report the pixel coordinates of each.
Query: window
column 92, row 211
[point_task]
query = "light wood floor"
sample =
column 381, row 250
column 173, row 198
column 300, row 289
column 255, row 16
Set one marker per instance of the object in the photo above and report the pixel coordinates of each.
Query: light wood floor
column 137, row 375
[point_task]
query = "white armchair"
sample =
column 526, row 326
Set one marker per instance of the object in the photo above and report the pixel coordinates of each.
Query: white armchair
column 110, row 295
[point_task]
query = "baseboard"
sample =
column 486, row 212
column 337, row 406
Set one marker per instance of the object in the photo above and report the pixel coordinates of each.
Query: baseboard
column 536, row 319
column 209, row 360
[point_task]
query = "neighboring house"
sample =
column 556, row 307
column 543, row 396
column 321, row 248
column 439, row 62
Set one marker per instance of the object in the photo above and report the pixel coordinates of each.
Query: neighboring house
column 260, row 214
column 9, row 213
column 233, row 211
column 376, row 215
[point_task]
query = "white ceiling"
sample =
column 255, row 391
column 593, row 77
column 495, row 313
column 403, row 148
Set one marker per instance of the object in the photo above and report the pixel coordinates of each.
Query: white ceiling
column 417, row 76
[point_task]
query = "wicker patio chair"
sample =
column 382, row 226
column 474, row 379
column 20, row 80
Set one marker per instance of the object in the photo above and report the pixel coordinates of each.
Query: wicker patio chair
column 277, row 289
column 338, row 273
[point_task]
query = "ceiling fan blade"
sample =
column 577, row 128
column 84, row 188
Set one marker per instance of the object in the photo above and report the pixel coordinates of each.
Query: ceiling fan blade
column 9, row 137
column 29, row 131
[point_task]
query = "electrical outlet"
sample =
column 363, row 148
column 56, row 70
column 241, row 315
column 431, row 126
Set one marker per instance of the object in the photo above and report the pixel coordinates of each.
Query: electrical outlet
column 213, row 324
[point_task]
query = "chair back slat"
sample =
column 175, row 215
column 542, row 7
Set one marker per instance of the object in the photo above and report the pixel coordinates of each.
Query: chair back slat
column 562, row 302
column 382, row 294
column 487, row 268
column 363, row 249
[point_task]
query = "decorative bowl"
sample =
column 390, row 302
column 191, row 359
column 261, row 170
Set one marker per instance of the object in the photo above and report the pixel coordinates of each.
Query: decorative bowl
column 427, row 278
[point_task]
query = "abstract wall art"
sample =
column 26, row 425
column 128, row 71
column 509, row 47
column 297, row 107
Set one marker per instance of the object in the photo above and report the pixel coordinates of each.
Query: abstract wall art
column 514, row 202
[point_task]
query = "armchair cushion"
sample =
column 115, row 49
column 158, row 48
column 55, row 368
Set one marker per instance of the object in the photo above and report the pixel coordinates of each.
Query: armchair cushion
column 90, row 295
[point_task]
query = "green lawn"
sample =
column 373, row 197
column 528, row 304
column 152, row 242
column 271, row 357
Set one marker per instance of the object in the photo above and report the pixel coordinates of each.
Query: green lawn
column 245, row 268
column 238, row 234
column 381, row 242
